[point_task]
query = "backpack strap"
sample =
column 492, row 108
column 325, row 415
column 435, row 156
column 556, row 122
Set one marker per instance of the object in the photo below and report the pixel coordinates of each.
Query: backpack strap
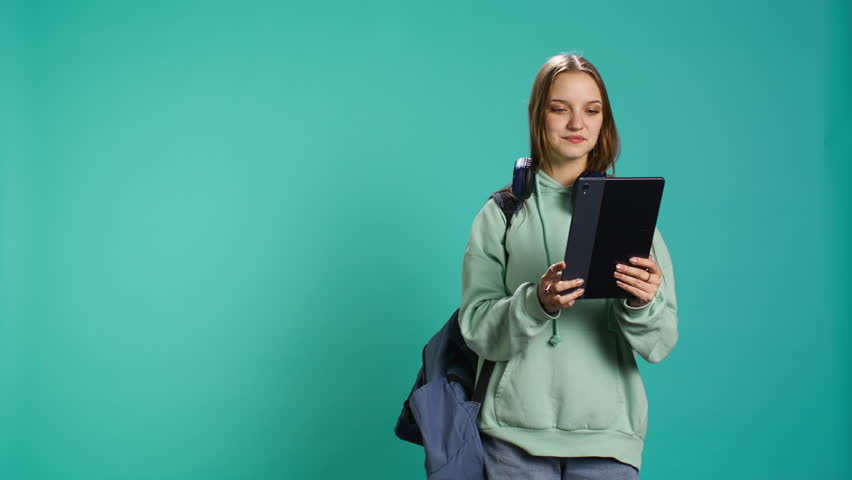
column 482, row 381
column 509, row 204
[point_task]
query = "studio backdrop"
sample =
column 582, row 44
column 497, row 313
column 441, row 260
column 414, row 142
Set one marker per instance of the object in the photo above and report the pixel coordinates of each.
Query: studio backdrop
column 227, row 229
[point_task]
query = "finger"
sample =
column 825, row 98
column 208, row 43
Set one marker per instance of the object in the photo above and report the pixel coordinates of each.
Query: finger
column 570, row 297
column 640, row 294
column 559, row 287
column 555, row 270
column 551, row 273
column 638, row 273
column 648, row 263
column 649, row 287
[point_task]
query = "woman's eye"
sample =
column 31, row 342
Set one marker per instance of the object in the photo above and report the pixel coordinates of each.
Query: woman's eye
column 555, row 109
column 593, row 111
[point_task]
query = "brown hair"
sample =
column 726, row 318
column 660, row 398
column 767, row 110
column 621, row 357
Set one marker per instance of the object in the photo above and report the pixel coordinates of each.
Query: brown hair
column 605, row 152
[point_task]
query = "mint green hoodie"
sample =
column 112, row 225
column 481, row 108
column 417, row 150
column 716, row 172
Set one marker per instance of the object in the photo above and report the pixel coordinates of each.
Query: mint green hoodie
column 582, row 397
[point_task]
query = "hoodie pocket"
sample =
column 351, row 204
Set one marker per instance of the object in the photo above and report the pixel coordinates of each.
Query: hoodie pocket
column 573, row 386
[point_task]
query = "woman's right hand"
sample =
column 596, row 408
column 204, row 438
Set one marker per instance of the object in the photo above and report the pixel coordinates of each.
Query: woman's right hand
column 551, row 284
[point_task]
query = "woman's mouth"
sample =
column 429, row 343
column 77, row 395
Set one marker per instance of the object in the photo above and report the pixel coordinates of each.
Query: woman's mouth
column 574, row 139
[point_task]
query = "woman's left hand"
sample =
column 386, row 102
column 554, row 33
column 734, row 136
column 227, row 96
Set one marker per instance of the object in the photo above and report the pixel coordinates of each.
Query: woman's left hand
column 641, row 280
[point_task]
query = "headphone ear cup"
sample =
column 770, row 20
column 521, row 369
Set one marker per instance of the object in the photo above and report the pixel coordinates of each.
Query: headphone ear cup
column 523, row 178
column 529, row 181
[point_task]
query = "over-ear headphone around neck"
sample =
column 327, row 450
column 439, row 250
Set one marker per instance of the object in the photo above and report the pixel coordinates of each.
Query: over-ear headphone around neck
column 523, row 178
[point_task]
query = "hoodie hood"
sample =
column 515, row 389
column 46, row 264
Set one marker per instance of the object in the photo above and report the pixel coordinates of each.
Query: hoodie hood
column 550, row 186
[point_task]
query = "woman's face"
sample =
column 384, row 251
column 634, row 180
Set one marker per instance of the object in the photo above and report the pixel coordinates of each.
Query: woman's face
column 573, row 117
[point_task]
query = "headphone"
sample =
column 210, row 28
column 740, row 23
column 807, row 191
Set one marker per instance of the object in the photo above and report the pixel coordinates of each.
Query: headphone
column 523, row 178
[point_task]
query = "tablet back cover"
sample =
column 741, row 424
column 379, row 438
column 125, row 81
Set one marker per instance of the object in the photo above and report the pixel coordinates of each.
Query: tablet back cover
column 613, row 220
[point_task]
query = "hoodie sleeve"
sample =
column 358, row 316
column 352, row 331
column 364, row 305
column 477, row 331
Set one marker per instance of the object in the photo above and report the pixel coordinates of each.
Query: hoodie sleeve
column 495, row 325
column 651, row 329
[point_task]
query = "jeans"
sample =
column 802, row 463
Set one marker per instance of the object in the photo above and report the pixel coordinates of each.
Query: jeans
column 504, row 461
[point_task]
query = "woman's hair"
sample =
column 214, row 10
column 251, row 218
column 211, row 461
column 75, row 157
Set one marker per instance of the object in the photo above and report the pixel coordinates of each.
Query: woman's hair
column 606, row 150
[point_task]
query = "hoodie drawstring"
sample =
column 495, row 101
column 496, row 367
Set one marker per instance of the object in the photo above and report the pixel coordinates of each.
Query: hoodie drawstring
column 554, row 340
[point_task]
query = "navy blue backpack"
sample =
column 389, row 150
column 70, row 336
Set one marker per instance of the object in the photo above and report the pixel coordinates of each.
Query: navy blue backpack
column 441, row 412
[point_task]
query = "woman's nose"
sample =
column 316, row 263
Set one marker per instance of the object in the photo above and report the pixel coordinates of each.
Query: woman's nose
column 575, row 122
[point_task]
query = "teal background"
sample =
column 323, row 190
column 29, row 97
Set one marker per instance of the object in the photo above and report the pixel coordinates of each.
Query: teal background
column 226, row 231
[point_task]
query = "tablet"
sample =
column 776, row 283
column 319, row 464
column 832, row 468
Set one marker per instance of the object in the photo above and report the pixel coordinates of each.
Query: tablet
column 613, row 220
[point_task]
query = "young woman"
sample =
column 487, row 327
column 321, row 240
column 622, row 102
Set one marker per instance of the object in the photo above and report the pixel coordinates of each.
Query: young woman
column 565, row 399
